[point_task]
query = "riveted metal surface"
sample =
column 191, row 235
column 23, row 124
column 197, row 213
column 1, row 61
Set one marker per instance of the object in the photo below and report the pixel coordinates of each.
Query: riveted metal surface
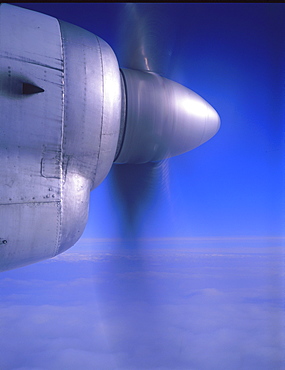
column 112, row 101
column 32, row 236
column 59, row 140
column 92, row 109
column 92, row 103
column 30, row 130
column 30, row 124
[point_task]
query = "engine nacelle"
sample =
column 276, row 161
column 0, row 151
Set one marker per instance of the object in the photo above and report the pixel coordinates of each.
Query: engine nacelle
column 60, row 107
column 67, row 113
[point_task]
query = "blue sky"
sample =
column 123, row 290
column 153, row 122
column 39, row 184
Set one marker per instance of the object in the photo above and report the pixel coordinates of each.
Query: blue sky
column 232, row 185
column 200, row 285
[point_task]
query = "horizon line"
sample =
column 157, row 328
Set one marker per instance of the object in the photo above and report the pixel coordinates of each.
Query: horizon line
column 191, row 238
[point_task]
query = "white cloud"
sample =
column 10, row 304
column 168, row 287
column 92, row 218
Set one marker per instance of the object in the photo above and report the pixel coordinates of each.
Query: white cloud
column 162, row 311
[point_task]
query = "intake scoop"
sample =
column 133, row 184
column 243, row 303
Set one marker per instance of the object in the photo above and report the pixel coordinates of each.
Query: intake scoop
column 161, row 118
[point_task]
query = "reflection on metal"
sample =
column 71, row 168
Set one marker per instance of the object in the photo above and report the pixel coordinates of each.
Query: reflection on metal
column 81, row 114
column 163, row 118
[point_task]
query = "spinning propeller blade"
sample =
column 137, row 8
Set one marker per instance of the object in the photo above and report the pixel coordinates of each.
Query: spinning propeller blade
column 147, row 43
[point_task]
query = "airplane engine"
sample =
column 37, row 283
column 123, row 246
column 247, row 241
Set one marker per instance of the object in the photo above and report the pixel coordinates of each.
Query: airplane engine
column 67, row 113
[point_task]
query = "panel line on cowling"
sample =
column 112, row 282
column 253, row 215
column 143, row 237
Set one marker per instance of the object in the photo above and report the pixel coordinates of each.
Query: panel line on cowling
column 59, row 205
column 35, row 202
column 31, row 61
column 102, row 105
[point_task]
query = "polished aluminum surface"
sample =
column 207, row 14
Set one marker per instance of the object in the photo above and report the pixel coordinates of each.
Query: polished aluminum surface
column 92, row 106
column 58, row 137
column 163, row 118
column 31, row 136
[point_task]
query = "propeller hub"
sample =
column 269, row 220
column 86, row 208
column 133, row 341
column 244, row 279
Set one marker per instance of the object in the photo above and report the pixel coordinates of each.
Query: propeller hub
column 161, row 118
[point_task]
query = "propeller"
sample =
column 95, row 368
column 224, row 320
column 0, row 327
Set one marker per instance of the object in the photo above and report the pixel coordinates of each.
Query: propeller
column 147, row 41
column 161, row 118
column 147, row 37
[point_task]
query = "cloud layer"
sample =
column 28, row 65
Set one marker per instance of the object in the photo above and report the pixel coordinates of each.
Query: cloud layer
column 154, row 310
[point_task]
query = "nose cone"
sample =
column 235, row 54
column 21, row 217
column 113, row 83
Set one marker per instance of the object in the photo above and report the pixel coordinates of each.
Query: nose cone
column 194, row 121
column 163, row 119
